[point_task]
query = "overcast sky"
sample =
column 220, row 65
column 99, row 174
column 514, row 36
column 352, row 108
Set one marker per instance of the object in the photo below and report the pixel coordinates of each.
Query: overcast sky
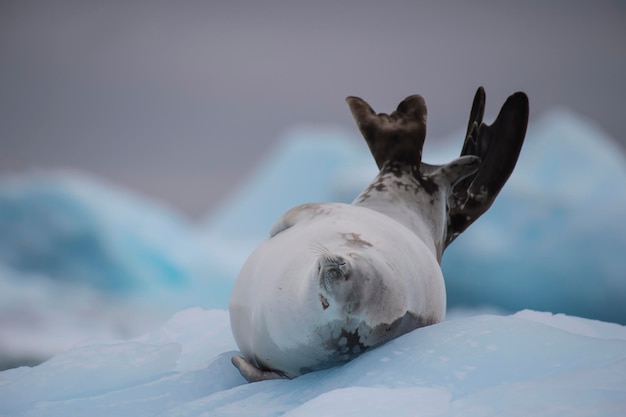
column 180, row 100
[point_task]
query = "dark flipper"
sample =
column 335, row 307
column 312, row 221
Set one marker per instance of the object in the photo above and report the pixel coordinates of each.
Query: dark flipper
column 498, row 146
column 397, row 137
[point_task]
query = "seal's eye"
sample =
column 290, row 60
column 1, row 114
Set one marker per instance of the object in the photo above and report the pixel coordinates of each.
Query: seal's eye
column 334, row 274
column 339, row 272
column 333, row 269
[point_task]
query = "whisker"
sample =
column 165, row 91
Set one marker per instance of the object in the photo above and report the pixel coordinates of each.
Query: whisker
column 319, row 249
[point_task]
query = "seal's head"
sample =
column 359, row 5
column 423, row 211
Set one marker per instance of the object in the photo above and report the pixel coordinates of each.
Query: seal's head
column 349, row 282
column 337, row 282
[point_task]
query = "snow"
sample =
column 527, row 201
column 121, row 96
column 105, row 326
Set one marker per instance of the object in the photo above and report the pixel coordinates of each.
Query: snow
column 526, row 364
column 128, row 300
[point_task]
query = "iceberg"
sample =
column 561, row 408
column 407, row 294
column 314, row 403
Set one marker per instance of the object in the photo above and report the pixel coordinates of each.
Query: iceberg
column 72, row 228
column 529, row 363
column 309, row 165
column 82, row 259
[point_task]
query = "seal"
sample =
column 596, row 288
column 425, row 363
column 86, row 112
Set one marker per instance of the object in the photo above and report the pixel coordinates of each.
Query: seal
column 334, row 280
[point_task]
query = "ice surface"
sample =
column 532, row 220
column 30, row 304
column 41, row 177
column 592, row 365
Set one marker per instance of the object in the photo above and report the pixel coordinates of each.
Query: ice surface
column 527, row 364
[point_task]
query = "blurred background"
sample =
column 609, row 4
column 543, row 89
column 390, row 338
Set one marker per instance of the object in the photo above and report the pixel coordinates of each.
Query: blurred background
column 179, row 100
column 145, row 146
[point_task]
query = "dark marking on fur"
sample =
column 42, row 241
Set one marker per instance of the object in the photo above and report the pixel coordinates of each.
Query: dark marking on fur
column 357, row 339
column 354, row 240
column 396, row 168
column 400, row 170
column 378, row 185
column 428, row 184
column 402, row 177
column 401, row 185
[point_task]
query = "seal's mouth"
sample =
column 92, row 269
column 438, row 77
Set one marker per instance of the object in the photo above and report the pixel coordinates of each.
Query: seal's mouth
column 324, row 301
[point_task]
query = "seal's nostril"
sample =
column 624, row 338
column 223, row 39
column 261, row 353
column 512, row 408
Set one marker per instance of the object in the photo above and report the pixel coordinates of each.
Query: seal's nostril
column 333, row 273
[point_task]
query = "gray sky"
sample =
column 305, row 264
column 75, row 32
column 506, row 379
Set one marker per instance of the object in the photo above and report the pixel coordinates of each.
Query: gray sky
column 181, row 99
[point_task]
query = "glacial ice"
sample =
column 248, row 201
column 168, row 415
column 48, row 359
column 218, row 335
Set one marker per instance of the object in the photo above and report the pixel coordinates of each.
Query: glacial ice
column 526, row 364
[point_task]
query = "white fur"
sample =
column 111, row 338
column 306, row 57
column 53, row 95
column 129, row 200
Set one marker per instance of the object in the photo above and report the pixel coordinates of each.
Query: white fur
column 391, row 239
column 277, row 317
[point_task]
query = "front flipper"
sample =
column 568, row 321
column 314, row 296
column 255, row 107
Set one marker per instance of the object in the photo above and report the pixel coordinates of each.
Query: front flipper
column 453, row 172
column 298, row 214
column 498, row 147
column 251, row 373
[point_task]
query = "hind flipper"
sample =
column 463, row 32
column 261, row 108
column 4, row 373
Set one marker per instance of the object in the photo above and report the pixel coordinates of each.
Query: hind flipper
column 498, row 147
column 396, row 137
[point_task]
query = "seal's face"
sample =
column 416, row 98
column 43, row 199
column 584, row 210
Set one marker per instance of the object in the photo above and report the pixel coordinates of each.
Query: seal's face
column 346, row 286
column 350, row 281
column 360, row 302
column 338, row 282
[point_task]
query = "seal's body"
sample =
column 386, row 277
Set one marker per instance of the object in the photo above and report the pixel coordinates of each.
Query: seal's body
column 348, row 278
column 334, row 280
